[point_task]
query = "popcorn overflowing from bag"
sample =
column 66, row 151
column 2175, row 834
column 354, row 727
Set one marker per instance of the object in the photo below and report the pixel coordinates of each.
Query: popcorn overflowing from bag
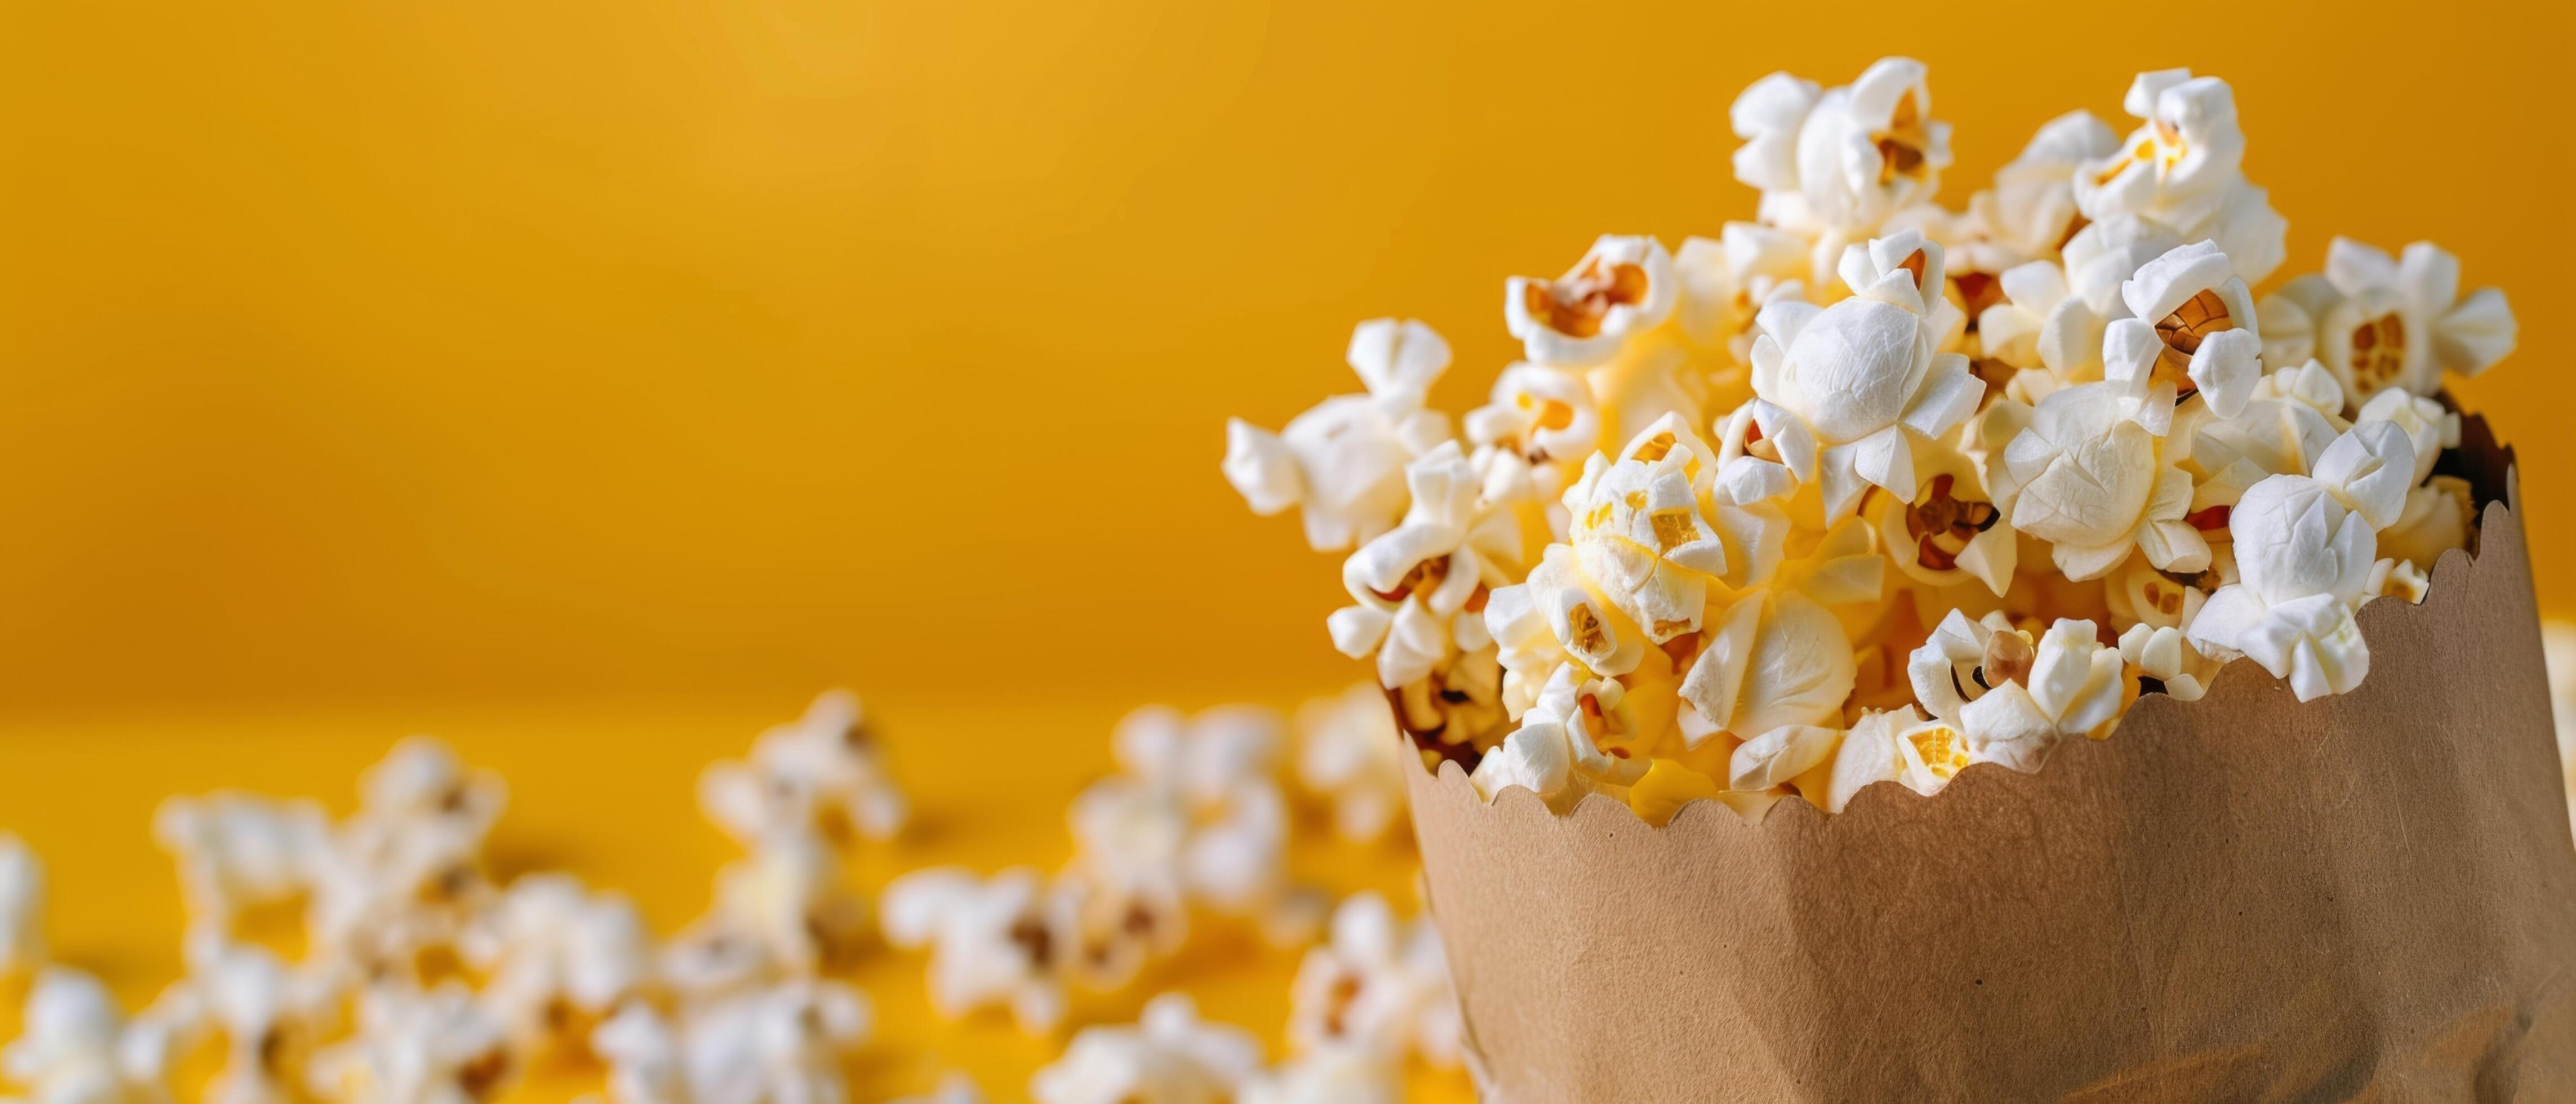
column 422, row 979
column 1871, row 490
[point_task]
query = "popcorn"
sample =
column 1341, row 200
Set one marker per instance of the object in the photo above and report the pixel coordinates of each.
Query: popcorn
column 270, row 1016
column 2305, row 549
column 556, row 958
column 2075, row 364
column 1839, row 162
column 1349, row 752
column 2382, row 323
column 2094, row 475
column 2032, row 206
column 1623, row 287
column 22, row 908
column 72, row 1047
column 1413, row 582
column 1000, row 942
column 2202, row 340
column 1342, row 463
column 403, row 875
column 1333, row 1075
column 238, row 852
column 2183, row 169
column 1839, row 390
column 434, row 1047
column 1556, row 752
column 1170, row 1057
column 1379, row 987
column 1196, row 815
column 1898, row 745
column 790, row 898
column 955, row 1087
column 826, row 763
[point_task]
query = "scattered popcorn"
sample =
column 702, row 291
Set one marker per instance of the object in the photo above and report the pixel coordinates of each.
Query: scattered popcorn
column 954, row 1088
column 1380, row 986
column 1348, row 751
column 2054, row 413
column 271, row 1017
column 1169, row 1057
column 2380, row 323
column 558, row 958
column 22, row 908
column 1342, row 463
column 437, row 1047
column 1001, row 942
column 75, row 1047
column 238, row 852
column 1332, row 1075
column 822, row 768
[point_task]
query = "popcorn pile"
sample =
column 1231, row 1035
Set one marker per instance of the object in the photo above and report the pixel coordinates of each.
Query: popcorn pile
column 1870, row 489
column 421, row 979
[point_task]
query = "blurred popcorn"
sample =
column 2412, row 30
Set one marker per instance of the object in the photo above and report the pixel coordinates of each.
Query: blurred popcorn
column 270, row 1016
column 1349, row 752
column 403, row 875
column 1342, row 463
column 1726, row 282
column 1332, row 1075
column 1379, row 986
column 73, row 1047
column 1000, row 942
column 238, row 852
column 954, row 1088
column 557, row 958
column 2384, row 323
column 1198, row 807
column 22, row 908
column 822, row 769
column 434, row 1047
column 1169, row 1057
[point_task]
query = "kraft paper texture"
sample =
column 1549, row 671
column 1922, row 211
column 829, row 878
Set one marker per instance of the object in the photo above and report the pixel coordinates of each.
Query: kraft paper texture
column 2238, row 898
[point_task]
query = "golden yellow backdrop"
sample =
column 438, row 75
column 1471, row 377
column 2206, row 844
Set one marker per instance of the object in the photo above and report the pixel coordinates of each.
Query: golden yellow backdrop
column 366, row 367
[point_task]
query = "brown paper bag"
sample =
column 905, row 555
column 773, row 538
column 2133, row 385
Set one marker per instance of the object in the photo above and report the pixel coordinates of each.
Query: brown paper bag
column 2243, row 897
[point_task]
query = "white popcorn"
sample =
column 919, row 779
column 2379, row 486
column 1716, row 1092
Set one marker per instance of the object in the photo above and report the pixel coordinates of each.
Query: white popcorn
column 434, row 1047
column 1380, row 986
column 2032, row 207
column 643, row 1055
column 2192, row 331
column 72, row 1047
column 404, row 874
column 1779, row 658
column 828, row 760
column 1537, row 422
column 1642, row 543
column 2305, row 549
column 1350, row 752
column 1331, row 1075
column 1412, row 582
column 555, row 956
column 1839, row 162
column 271, row 1017
column 2440, row 511
column 1197, row 814
column 22, row 908
column 784, row 1043
column 2041, row 323
column 1725, row 282
column 238, row 851
column 790, row 897
column 1842, row 391
column 2164, row 653
column 2073, row 687
column 2380, row 322
column 1776, row 757
column 2281, row 431
column 1169, row 1057
column 997, row 942
column 955, row 1087
column 2184, row 169
column 1897, row 745
column 1342, row 463
column 1623, row 287
column 1556, row 752
column 2094, row 475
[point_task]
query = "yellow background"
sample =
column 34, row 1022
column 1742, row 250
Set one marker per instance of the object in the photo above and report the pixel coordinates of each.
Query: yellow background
column 591, row 381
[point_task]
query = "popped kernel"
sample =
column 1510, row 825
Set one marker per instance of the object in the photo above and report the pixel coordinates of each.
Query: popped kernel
column 1341, row 464
column 1170, row 1056
column 2384, row 323
column 2183, row 167
column 74, row 1046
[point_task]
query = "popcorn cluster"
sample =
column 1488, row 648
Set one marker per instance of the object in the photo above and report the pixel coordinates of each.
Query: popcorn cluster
column 423, row 980
column 1873, row 489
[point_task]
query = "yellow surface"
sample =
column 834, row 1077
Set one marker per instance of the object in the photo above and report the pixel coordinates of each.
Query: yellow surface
column 484, row 366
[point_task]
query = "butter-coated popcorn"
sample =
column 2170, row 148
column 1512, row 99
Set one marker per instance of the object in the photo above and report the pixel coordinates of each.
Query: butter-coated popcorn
column 2380, row 322
column 2184, row 168
column 2305, row 548
column 1341, row 464
column 22, row 908
column 1169, row 1057
column 73, row 1049
column 2050, row 413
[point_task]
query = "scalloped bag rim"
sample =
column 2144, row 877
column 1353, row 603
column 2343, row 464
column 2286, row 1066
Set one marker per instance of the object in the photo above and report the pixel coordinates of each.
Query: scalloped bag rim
column 2238, row 896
